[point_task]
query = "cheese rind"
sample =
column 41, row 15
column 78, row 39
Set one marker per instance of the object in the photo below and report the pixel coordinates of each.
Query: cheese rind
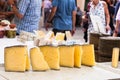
column 37, row 60
column 51, row 55
column 88, row 56
column 15, row 58
column 67, row 56
column 77, row 56
column 27, row 62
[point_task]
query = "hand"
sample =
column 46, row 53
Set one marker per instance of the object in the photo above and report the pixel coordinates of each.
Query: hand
column 9, row 13
column 84, row 30
column 47, row 25
column 73, row 31
column 108, row 28
column 16, row 12
column 20, row 16
column 115, row 33
column 84, row 19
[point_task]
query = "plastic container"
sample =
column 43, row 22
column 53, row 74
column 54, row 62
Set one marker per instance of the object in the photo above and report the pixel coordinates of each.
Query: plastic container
column 10, row 33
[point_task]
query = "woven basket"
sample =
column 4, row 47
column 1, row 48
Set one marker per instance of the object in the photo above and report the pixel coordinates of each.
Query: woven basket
column 107, row 44
column 99, row 58
column 94, row 39
column 96, row 55
column 104, row 59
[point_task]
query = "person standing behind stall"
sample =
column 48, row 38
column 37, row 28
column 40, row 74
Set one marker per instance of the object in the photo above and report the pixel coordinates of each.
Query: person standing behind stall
column 117, row 5
column 79, row 17
column 47, row 8
column 86, row 20
column 111, row 10
column 8, row 9
column 99, row 8
column 30, row 10
column 117, row 27
column 63, row 15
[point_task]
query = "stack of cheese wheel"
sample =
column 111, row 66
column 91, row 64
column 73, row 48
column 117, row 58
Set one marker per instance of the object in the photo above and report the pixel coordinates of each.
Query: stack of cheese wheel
column 107, row 44
column 94, row 39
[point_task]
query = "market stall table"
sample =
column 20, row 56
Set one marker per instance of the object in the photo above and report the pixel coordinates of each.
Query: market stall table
column 84, row 73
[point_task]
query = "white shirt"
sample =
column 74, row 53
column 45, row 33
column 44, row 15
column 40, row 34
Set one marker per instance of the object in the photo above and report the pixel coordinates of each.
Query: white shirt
column 118, row 15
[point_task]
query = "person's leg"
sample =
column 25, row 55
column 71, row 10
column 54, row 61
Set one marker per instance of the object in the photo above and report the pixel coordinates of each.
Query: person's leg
column 45, row 15
column 55, row 31
column 85, row 25
column 85, row 36
column 112, row 30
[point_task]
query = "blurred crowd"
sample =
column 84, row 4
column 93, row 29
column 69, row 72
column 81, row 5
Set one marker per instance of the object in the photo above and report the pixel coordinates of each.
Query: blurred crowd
column 26, row 15
column 107, row 10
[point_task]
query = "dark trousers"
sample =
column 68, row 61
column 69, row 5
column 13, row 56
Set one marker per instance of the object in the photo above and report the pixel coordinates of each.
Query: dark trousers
column 62, row 31
column 85, row 26
column 85, row 36
column 118, row 35
column 46, row 14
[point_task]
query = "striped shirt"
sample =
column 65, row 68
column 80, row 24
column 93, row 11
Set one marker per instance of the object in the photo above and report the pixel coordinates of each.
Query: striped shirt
column 30, row 9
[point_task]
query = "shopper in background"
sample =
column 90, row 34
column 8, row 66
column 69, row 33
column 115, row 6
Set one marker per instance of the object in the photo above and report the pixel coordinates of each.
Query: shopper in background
column 111, row 10
column 89, row 5
column 115, row 2
column 86, row 21
column 47, row 9
column 117, row 27
column 42, row 7
column 30, row 10
column 79, row 17
column 99, row 8
column 116, row 9
column 8, row 9
column 63, row 15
